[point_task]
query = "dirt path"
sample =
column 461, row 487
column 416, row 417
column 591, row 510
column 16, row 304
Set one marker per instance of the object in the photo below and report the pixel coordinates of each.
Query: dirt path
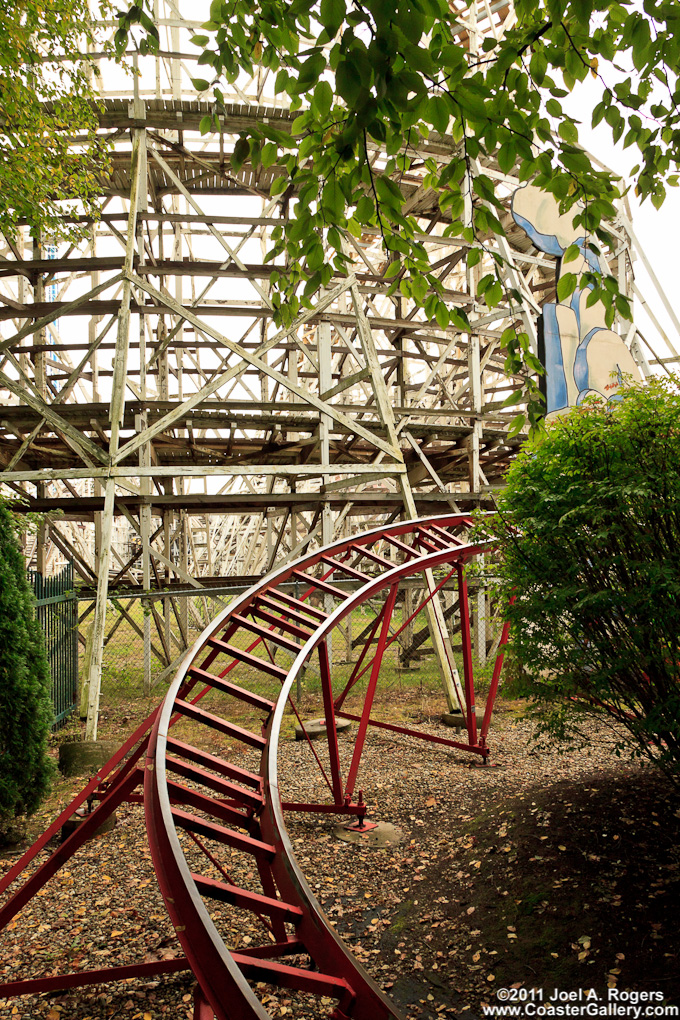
column 551, row 870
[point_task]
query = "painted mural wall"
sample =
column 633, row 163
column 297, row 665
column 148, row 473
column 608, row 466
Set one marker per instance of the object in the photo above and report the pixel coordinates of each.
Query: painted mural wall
column 582, row 356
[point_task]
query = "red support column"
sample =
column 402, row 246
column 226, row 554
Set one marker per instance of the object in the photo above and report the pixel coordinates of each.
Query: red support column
column 329, row 716
column 493, row 687
column 202, row 1008
column 115, row 795
column 370, row 693
column 467, row 654
column 355, row 672
column 78, row 801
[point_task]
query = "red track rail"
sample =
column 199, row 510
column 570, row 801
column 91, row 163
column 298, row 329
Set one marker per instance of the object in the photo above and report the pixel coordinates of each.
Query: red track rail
column 227, row 813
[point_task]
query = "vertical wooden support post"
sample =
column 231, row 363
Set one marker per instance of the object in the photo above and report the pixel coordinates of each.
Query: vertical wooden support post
column 473, row 457
column 264, row 378
column 323, row 334
column 120, row 362
column 325, row 382
column 346, row 528
column 40, row 375
column 326, row 539
column 95, row 279
column 175, row 64
column 327, row 529
column 269, row 540
column 97, row 490
column 145, row 536
column 293, row 372
column 183, row 543
column 476, row 394
column 184, row 562
column 157, row 59
column 177, row 255
column 40, row 337
column 474, row 31
column 94, row 679
column 117, row 411
column 435, row 618
column 293, row 532
column 141, row 422
column 22, row 288
column 407, row 610
column 42, row 537
column 167, row 551
column 348, row 638
column 208, row 545
column 146, row 607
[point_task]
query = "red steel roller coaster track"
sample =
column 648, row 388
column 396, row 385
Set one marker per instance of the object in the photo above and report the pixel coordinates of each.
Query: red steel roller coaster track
column 200, row 800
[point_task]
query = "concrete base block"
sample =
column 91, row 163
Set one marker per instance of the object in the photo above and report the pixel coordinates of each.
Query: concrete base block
column 77, row 819
column 458, row 721
column 82, row 757
column 382, row 836
column 316, row 728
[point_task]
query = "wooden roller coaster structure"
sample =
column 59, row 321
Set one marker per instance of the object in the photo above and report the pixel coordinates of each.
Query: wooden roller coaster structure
column 194, row 800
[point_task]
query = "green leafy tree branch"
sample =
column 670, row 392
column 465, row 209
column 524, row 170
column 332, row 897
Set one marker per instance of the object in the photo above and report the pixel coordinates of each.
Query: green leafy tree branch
column 384, row 88
column 47, row 99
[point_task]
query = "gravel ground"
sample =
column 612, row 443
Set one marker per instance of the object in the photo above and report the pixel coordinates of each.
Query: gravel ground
column 426, row 917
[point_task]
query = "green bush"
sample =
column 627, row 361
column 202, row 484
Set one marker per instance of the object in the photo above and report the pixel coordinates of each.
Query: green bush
column 25, row 686
column 589, row 546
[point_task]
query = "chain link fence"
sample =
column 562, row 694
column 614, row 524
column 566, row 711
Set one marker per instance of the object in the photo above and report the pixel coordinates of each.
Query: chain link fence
column 147, row 637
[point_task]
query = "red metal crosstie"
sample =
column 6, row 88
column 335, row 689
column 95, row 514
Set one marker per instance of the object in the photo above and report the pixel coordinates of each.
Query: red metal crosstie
column 232, row 809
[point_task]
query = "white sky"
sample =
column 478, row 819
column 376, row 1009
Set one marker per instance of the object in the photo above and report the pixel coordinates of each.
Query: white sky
column 658, row 231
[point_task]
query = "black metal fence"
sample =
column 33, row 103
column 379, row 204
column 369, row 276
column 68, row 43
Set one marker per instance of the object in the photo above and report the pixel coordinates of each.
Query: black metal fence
column 57, row 613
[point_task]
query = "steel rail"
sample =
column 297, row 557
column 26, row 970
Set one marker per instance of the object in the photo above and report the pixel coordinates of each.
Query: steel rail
column 214, row 799
column 297, row 919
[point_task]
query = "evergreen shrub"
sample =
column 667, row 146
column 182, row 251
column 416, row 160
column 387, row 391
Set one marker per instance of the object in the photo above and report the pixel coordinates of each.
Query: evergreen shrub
column 25, row 689
column 588, row 535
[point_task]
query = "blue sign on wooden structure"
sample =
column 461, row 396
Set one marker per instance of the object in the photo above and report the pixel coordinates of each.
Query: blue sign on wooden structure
column 581, row 354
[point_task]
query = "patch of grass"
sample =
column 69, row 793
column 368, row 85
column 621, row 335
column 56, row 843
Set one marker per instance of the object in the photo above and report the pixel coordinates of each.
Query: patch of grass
column 402, row 917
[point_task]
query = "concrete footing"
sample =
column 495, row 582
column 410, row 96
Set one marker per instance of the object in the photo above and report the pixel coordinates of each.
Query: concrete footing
column 381, row 836
column 316, row 728
column 458, row 721
column 77, row 820
column 82, row 757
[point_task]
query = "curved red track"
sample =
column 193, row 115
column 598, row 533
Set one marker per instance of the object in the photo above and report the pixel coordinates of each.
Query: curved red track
column 213, row 818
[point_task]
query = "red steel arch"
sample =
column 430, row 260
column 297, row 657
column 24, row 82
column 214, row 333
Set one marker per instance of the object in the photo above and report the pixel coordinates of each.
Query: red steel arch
column 222, row 810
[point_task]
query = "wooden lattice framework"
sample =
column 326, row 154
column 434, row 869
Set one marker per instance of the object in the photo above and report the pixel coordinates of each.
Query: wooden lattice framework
column 143, row 380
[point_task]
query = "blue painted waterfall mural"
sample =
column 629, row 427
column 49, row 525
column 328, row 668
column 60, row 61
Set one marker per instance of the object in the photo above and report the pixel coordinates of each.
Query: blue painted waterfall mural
column 582, row 356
